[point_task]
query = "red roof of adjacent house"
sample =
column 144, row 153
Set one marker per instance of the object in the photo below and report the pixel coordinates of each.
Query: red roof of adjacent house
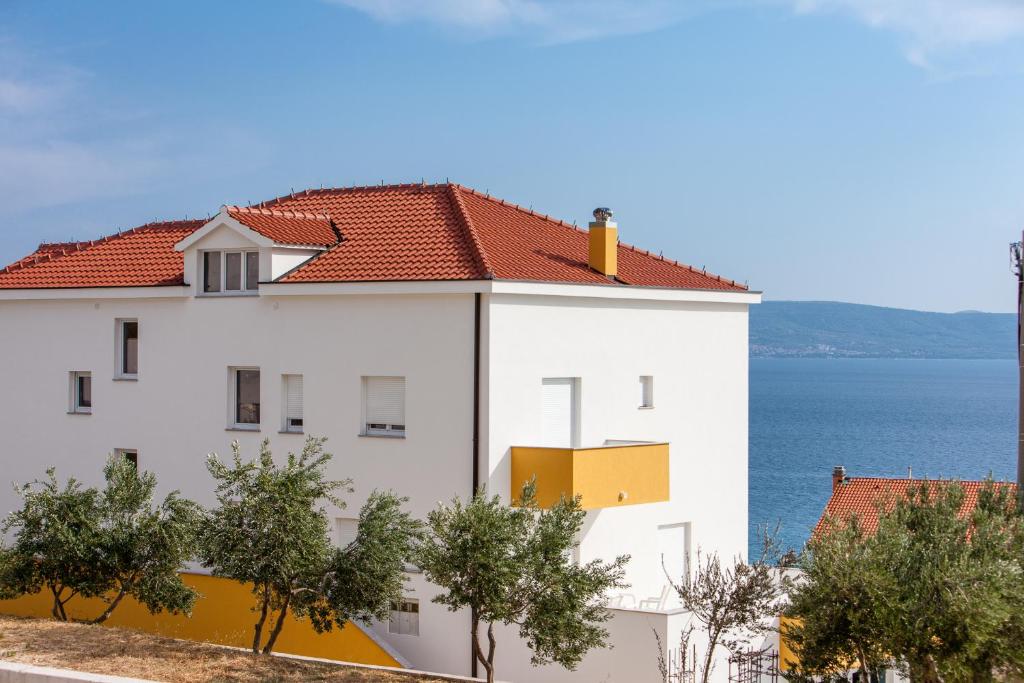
column 866, row 496
column 287, row 227
column 392, row 232
column 140, row 257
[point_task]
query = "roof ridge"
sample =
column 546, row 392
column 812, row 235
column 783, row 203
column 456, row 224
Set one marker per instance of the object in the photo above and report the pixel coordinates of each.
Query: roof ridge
column 289, row 213
column 313, row 191
column 462, row 213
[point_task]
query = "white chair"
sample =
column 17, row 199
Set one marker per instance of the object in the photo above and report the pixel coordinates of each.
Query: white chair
column 619, row 601
column 657, row 603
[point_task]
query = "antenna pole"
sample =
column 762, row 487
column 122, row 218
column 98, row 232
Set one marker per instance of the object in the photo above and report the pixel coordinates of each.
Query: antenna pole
column 1017, row 263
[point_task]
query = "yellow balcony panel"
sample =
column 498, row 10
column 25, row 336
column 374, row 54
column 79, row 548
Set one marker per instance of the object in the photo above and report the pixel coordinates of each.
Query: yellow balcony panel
column 605, row 476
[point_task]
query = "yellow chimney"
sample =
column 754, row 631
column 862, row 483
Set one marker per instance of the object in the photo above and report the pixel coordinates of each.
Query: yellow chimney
column 604, row 243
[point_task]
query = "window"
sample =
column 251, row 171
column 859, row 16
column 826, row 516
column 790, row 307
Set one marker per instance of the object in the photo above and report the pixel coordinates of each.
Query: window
column 81, row 392
column 129, row 454
column 127, row 349
column 231, row 272
column 292, row 385
column 405, row 617
column 346, row 530
column 646, row 391
column 384, row 406
column 245, row 395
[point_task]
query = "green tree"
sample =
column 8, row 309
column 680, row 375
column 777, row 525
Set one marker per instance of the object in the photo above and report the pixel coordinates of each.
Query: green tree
column 935, row 590
column 511, row 565
column 108, row 544
column 270, row 529
column 838, row 603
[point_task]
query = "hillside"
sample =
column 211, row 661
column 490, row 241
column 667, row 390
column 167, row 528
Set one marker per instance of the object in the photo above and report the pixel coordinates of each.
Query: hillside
column 823, row 329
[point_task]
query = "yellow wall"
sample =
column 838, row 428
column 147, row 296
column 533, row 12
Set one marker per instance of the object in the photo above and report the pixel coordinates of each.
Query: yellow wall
column 599, row 475
column 222, row 615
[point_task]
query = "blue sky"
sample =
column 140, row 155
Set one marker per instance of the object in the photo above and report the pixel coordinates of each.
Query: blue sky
column 859, row 150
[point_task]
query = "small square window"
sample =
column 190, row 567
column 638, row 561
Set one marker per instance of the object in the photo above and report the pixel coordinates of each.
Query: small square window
column 405, row 617
column 129, row 454
column 245, row 398
column 81, row 392
column 384, row 406
column 127, row 349
column 292, row 389
column 646, row 391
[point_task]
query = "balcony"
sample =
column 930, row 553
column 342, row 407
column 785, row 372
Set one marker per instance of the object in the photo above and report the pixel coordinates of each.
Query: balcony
column 607, row 476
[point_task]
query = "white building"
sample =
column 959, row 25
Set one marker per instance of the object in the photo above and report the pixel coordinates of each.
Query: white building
column 438, row 337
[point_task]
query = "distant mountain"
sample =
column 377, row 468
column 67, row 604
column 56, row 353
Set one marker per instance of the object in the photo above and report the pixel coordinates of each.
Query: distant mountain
column 827, row 329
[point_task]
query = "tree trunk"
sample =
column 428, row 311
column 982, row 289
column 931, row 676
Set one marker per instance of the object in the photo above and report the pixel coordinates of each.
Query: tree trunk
column 258, row 631
column 58, row 610
column 277, row 626
column 490, row 652
column 479, row 653
column 709, row 658
column 924, row 671
column 110, row 608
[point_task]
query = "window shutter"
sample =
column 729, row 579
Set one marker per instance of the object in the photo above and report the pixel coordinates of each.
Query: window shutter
column 293, row 397
column 385, row 400
column 557, row 409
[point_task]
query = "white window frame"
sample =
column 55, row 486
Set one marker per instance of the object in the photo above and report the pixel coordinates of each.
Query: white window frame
column 224, row 291
column 396, row 431
column 286, row 425
column 233, row 422
column 119, row 372
column 402, row 620
column 73, row 405
column 646, row 392
column 132, row 454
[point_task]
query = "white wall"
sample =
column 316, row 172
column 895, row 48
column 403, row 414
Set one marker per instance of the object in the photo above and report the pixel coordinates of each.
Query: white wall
column 697, row 354
column 176, row 413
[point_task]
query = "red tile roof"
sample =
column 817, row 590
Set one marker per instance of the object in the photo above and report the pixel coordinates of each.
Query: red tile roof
column 141, row 257
column 865, row 496
column 394, row 232
column 287, row 227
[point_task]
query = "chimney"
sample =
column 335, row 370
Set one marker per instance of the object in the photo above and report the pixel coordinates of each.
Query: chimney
column 604, row 243
column 838, row 475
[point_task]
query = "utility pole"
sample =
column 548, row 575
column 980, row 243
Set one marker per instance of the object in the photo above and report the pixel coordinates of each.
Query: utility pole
column 1017, row 266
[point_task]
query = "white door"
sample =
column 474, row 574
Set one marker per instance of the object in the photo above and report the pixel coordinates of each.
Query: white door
column 558, row 412
column 674, row 552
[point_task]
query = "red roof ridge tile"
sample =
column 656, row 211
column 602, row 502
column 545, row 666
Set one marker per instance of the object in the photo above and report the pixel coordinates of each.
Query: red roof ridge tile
column 259, row 210
column 466, row 221
column 314, row 191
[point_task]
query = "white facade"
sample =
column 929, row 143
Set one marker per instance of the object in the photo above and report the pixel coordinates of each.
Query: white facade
column 179, row 408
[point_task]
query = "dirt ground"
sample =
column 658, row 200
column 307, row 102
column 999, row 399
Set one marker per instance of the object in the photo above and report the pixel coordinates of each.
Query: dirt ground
column 123, row 652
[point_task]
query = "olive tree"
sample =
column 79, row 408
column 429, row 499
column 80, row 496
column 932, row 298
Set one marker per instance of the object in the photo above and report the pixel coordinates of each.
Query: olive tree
column 270, row 529
column 936, row 589
column 731, row 601
column 107, row 544
column 511, row 565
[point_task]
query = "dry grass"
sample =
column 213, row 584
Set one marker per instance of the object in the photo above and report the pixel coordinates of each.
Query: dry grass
column 123, row 652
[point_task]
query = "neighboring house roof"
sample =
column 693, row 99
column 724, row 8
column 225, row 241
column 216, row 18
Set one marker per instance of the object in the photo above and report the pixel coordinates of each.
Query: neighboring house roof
column 287, row 227
column 388, row 232
column 140, row 257
column 866, row 496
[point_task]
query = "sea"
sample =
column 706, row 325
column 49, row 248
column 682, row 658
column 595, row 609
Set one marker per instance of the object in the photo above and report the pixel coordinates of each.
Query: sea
column 884, row 418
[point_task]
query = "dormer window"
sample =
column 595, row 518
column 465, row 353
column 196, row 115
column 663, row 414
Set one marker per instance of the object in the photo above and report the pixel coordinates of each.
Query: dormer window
column 231, row 272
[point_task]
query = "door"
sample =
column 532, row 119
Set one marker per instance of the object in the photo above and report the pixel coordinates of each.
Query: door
column 559, row 419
